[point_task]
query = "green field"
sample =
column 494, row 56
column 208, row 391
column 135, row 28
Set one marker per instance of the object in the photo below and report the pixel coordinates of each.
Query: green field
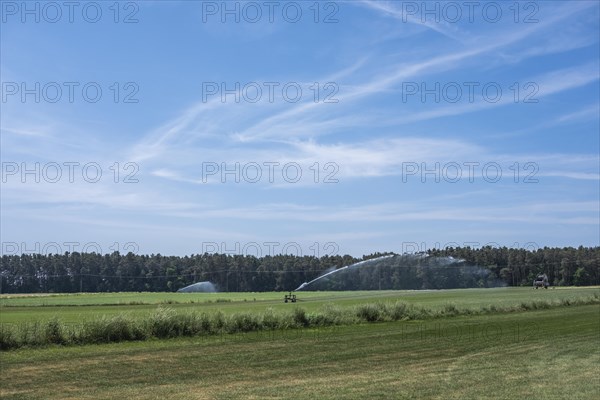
column 78, row 307
column 535, row 354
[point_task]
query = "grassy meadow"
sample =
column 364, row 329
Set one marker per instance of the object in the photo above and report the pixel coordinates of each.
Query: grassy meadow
column 73, row 308
column 464, row 344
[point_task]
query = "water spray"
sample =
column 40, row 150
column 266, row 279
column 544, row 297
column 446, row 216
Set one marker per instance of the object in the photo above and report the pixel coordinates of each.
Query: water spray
column 347, row 267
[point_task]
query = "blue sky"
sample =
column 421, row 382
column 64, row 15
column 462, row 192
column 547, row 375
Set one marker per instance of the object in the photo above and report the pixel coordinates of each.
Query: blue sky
column 418, row 113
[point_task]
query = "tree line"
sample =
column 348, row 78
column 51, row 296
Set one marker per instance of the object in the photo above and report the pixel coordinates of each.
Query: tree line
column 483, row 267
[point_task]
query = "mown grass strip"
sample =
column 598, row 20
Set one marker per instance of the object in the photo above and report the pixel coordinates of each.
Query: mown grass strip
column 536, row 355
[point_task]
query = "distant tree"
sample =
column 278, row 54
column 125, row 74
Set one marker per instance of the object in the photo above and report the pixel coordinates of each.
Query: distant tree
column 580, row 277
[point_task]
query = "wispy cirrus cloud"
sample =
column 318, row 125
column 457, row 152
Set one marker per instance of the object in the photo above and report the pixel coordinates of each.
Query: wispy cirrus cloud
column 388, row 8
column 370, row 133
column 311, row 119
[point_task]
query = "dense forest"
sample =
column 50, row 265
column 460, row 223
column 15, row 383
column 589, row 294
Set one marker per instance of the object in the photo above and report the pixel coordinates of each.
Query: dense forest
column 483, row 267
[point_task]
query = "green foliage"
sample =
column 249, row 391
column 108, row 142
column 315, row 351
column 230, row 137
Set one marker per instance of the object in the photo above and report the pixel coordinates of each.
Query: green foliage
column 244, row 322
column 330, row 315
column 91, row 272
column 399, row 311
column 54, row 332
column 300, row 318
column 118, row 328
column 162, row 323
column 580, row 277
column 371, row 312
column 8, row 338
column 450, row 310
column 270, row 321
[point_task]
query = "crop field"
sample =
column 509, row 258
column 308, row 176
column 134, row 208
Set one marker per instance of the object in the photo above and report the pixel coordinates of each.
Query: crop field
column 498, row 343
column 80, row 306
